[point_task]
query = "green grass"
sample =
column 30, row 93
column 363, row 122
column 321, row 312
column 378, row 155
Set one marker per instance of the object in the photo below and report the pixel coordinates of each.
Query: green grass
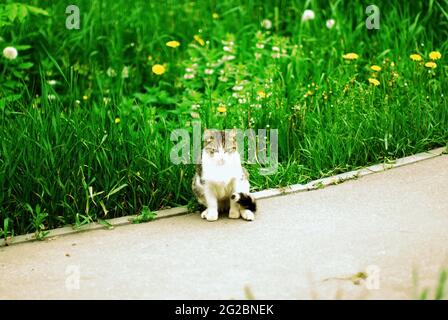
column 68, row 157
column 436, row 293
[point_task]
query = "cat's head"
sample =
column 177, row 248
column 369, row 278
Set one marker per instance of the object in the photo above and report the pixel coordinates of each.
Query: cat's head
column 220, row 144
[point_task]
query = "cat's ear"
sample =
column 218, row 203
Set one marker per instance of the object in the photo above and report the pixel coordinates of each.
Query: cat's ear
column 232, row 133
column 208, row 135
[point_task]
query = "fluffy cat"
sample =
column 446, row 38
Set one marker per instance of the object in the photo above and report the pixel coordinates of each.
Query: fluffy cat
column 221, row 184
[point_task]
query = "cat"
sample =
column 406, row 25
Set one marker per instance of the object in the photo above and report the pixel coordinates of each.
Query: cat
column 221, row 184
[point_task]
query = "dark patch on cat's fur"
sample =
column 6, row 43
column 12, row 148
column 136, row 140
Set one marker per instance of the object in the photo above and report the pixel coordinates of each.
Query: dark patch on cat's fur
column 199, row 170
column 246, row 201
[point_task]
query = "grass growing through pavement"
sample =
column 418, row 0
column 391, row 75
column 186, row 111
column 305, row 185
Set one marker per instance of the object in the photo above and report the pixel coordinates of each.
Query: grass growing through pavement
column 86, row 115
column 436, row 293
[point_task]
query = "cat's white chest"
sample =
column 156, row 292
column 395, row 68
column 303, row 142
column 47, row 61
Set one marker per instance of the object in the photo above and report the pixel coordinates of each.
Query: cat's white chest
column 221, row 174
column 221, row 189
column 221, row 178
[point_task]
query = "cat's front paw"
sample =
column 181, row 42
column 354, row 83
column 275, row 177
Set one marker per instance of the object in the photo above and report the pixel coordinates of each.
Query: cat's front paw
column 210, row 214
column 247, row 215
column 234, row 213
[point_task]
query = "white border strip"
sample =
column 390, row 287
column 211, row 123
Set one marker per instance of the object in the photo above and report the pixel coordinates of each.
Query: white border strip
column 268, row 193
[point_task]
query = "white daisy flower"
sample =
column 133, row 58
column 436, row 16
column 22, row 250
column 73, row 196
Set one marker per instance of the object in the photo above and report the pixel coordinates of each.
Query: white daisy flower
column 228, row 58
column 330, row 23
column 267, row 24
column 111, row 72
column 308, row 15
column 10, row 53
column 195, row 115
column 227, row 43
column 125, row 72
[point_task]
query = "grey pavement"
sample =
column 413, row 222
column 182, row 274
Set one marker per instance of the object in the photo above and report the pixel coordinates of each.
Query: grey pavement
column 391, row 226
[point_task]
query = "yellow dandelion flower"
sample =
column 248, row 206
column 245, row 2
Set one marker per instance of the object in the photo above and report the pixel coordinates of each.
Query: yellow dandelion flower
column 117, row 120
column 309, row 93
column 173, row 44
column 415, row 57
column 199, row 40
column 374, row 81
column 431, row 65
column 350, row 56
column 435, row 55
column 221, row 109
column 158, row 69
column 215, row 15
column 85, row 97
column 261, row 94
column 375, row 68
